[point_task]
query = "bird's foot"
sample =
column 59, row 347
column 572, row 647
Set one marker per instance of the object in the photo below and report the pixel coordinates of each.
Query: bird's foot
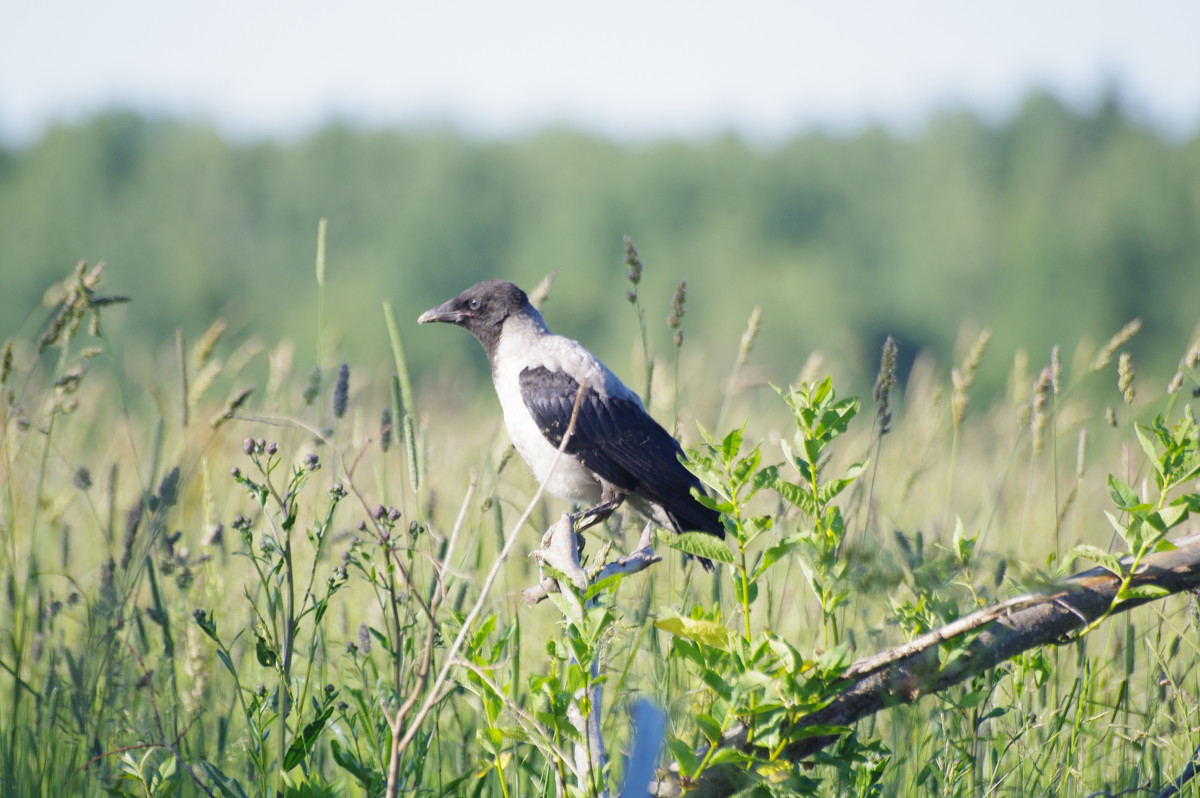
column 638, row 560
column 586, row 519
column 556, row 553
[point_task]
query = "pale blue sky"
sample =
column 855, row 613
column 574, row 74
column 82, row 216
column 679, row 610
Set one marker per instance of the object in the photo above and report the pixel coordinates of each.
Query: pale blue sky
column 762, row 68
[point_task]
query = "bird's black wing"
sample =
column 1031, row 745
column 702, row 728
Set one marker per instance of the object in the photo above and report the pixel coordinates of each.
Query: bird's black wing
column 619, row 441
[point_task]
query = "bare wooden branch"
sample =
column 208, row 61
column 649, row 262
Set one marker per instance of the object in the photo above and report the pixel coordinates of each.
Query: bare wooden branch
column 554, row 553
column 908, row 672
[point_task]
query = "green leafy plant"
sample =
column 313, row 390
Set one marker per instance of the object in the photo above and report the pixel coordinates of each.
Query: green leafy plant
column 755, row 680
column 1174, row 455
column 287, row 608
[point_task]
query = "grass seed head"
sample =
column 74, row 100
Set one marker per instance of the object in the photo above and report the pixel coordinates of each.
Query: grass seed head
column 751, row 333
column 1039, row 415
column 634, row 262
column 386, row 427
column 341, row 391
column 322, row 228
column 82, row 478
column 314, row 386
column 963, row 376
column 541, row 291
column 884, row 382
column 1125, row 377
column 6, row 362
column 232, row 406
column 1190, row 360
column 678, row 305
column 132, row 522
column 1056, row 368
column 1018, row 378
column 1104, row 357
column 203, row 349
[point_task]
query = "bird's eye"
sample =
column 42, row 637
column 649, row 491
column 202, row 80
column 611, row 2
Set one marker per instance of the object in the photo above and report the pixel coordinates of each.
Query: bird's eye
column 474, row 304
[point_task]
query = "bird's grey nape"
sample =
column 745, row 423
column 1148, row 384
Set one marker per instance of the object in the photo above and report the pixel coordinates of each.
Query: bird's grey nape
column 482, row 310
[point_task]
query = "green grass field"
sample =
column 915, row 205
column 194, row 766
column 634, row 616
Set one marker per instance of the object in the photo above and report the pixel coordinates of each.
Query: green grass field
column 298, row 591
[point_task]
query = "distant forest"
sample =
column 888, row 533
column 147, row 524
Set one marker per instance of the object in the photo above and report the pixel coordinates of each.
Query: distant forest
column 1052, row 226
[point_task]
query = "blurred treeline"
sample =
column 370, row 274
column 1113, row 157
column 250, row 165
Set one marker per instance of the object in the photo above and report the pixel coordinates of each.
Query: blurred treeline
column 1055, row 225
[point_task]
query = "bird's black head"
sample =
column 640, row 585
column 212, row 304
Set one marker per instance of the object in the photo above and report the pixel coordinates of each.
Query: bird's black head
column 481, row 310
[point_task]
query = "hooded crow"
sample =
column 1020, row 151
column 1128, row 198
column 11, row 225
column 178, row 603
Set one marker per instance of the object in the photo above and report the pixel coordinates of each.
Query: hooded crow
column 617, row 452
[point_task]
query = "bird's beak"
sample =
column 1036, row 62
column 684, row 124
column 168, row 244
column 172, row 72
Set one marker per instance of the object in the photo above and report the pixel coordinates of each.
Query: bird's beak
column 446, row 312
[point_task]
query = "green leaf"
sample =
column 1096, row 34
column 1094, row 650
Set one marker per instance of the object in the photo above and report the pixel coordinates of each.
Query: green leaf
column 731, row 445
column 266, row 655
column 306, row 741
column 964, row 545
column 744, row 468
column 514, row 733
column 834, row 660
column 812, row 451
column 717, row 683
column 797, row 462
column 684, row 756
column 1120, row 528
column 226, row 786
column 598, row 587
column 1148, row 447
column 453, row 788
column 797, row 495
column 480, row 635
column 764, row 477
column 713, row 503
column 972, row 699
column 791, row 659
column 1164, row 545
column 709, row 727
column 1143, row 592
column 776, row 553
column 710, row 633
column 227, row 662
column 370, row 779
column 739, row 588
column 381, row 637
column 1106, row 560
column 700, row 544
column 290, row 521
column 682, row 647
column 806, row 732
column 1172, row 515
column 319, row 610
column 1122, row 495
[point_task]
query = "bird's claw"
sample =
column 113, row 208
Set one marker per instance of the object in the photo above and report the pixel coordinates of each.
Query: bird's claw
column 586, row 519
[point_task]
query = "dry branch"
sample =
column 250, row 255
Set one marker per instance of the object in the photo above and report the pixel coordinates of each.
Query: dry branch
column 560, row 551
column 904, row 674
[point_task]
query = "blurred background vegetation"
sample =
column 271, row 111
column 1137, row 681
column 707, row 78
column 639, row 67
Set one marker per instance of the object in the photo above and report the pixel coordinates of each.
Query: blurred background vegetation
column 1054, row 225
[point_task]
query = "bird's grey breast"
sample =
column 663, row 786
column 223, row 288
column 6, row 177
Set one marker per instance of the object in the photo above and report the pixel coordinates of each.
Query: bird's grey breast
column 530, row 348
